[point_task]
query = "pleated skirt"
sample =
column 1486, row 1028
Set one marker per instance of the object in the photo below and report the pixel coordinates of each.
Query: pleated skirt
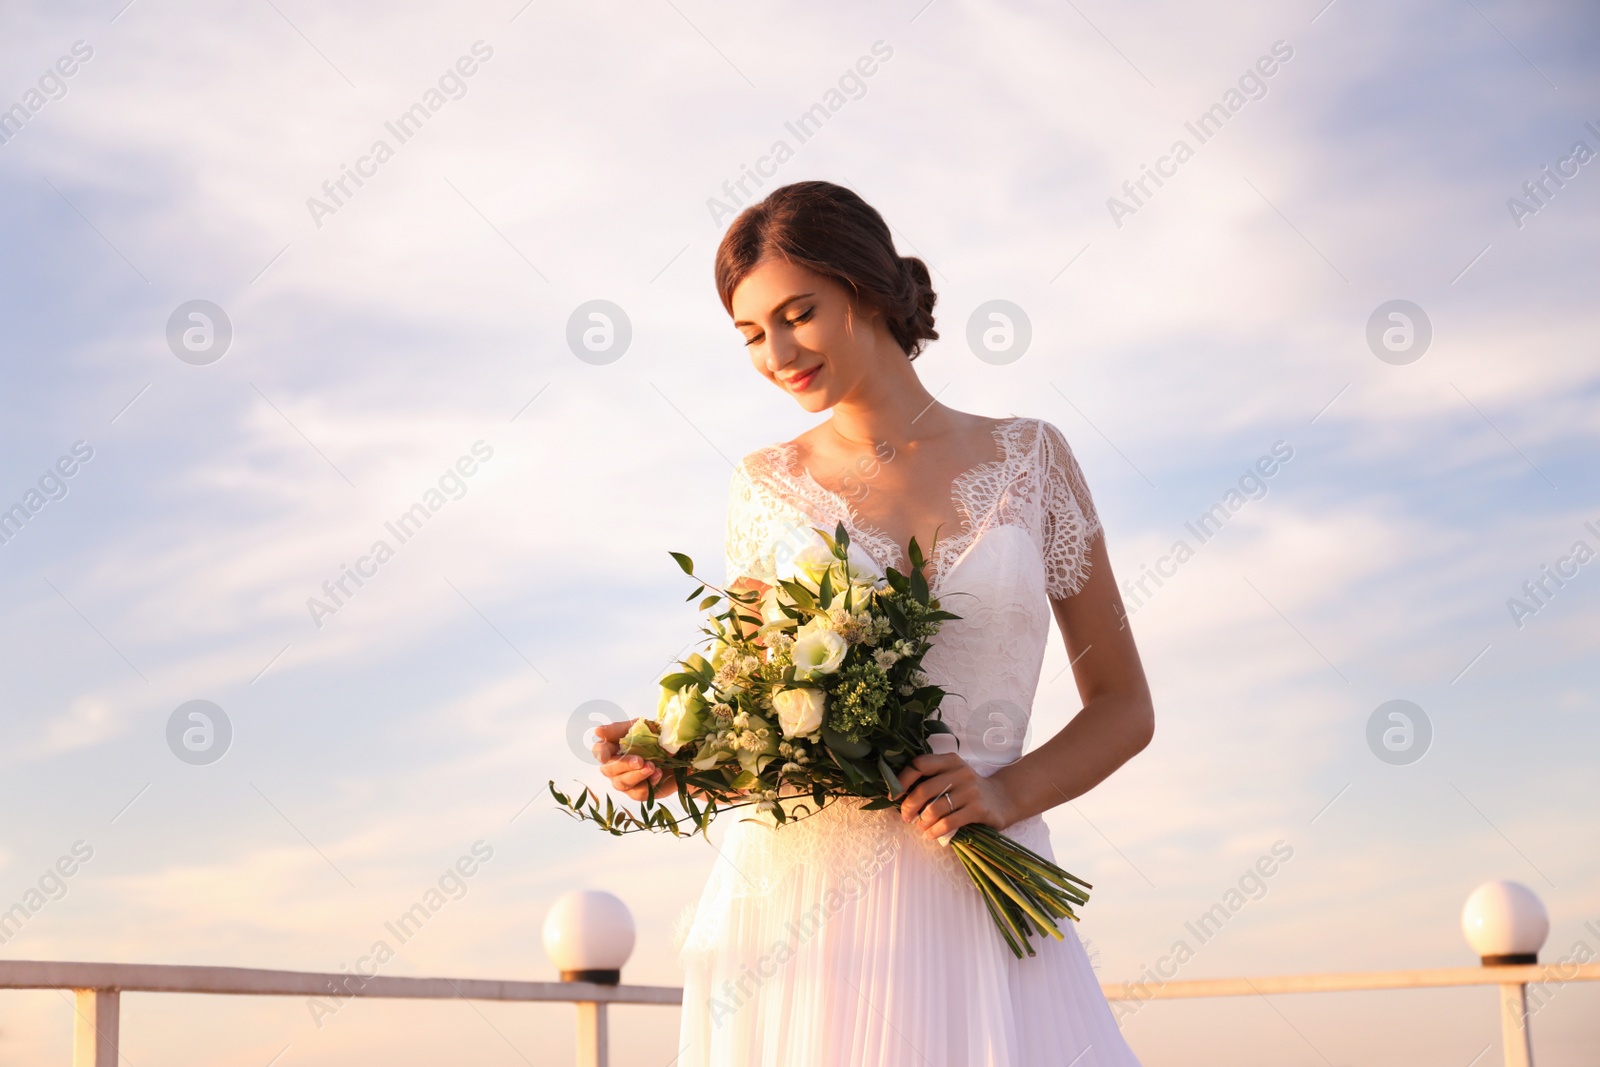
column 847, row 940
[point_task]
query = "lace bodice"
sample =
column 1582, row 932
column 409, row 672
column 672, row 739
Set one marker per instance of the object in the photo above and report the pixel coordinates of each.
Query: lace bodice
column 1028, row 521
column 1035, row 484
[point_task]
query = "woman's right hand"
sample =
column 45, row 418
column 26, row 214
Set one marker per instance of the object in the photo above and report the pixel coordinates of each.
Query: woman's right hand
column 630, row 775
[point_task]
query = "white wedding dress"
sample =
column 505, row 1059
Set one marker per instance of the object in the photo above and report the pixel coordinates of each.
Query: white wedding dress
column 846, row 939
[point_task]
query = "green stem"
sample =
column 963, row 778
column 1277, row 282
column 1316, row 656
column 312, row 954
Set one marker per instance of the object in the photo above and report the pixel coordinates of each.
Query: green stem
column 1000, row 921
column 1045, row 924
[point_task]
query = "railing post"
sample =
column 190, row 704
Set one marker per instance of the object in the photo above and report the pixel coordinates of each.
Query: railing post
column 593, row 1040
column 95, row 1036
column 1514, row 1033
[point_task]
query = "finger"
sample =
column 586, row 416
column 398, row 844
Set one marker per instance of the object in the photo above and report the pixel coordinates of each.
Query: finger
column 934, row 762
column 606, row 751
column 630, row 768
column 613, row 767
column 634, row 779
column 951, row 822
column 613, row 731
column 925, row 790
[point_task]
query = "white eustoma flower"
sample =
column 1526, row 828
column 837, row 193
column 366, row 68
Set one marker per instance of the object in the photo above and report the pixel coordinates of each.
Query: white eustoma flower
column 799, row 711
column 817, row 649
column 682, row 716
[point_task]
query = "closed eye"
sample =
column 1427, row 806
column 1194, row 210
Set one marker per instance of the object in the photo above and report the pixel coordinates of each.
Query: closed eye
column 804, row 316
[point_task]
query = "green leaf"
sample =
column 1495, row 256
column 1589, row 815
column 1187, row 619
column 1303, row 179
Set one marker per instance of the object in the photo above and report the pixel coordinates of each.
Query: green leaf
column 825, row 589
column 678, row 680
column 709, row 601
column 841, row 744
column 890, row 779
column 799, row 594
column 914, row 553
column 897, row 617
column 842, row 536
column 697, row 591
column 919, row 587
column 684, row 562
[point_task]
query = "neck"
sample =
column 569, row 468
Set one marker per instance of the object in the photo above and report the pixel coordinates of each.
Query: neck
column 890, row 404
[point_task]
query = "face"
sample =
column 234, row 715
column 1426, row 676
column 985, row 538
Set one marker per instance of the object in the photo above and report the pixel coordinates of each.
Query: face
column 806, row 335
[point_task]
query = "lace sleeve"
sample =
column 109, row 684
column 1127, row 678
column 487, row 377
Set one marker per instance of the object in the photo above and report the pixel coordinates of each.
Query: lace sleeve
column 764, row 526
column 745, row 554
column 1070, row 522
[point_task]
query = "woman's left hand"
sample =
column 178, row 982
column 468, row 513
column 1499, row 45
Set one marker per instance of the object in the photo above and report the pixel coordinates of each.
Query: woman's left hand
column 949, row 794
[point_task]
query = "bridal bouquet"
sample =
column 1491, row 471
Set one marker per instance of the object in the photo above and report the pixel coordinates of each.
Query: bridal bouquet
column 814, row 691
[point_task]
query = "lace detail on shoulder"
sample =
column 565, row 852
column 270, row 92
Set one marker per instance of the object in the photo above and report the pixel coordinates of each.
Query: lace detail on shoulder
column 1068, row 519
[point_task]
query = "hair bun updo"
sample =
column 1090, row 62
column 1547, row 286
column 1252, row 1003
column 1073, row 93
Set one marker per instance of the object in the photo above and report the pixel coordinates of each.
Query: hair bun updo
column 829, row 229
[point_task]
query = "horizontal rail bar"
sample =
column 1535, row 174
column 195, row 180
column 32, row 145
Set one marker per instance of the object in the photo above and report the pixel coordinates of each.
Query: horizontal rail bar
column 1440, row 977
column 250, row 981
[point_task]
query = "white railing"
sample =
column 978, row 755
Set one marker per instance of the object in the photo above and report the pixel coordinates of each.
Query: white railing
column 1516, row 1037
column 98, row 988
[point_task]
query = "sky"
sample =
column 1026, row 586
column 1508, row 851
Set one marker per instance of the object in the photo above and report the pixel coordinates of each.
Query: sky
column 413, row 333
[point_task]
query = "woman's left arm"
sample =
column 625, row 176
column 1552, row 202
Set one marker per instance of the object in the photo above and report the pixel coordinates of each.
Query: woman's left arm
column 1117, row 720
column 1116, row 723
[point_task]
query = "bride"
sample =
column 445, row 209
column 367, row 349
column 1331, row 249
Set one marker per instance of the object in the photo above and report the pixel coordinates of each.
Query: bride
column 851, row 938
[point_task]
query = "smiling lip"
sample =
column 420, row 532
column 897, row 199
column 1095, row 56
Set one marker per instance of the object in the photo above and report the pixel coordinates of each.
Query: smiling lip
column 800, row 381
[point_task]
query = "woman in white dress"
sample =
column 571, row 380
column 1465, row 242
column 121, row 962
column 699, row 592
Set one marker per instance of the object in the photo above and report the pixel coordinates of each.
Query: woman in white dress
column 851, row 938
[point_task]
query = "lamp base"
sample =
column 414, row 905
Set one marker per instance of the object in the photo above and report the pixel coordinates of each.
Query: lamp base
column 597, row 977
column 1510, row 961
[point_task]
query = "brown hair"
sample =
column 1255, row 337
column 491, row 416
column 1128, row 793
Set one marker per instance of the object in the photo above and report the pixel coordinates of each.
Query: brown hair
column 829, row 229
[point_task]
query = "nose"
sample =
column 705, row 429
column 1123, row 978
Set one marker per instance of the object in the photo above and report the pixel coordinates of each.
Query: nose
column 780, row 350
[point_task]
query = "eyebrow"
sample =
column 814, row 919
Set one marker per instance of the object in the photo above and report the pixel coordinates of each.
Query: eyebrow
column 780, row 307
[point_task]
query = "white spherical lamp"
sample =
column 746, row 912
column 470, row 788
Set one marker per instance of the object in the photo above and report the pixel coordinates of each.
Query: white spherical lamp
column 589, row 935
column 1505, row 923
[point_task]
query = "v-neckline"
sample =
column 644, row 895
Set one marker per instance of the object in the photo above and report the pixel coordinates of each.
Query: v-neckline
column 935, row 558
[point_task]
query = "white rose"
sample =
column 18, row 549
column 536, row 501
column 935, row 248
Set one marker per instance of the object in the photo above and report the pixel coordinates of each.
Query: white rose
column 815, row 558
column 809, row 562
column 799, row 710
column 817, row 649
